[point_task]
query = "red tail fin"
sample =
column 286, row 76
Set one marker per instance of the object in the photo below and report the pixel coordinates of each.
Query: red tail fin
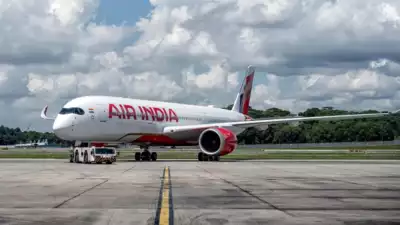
column 242, row 101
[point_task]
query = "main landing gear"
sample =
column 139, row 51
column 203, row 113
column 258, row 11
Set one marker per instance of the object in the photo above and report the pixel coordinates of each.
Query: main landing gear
column 146, row 155
column 203, row 157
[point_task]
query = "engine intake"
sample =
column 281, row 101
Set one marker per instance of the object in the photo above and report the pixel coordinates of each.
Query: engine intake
column 217, row 141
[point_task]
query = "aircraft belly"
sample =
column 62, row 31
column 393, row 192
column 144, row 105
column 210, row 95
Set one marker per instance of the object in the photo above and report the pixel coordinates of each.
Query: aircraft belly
column 186, row 136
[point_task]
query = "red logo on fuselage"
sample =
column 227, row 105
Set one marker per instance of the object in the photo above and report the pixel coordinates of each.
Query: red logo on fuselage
column 126, row 112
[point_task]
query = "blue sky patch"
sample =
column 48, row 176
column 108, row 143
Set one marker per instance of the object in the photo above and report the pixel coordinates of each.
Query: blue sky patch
column 128, row 12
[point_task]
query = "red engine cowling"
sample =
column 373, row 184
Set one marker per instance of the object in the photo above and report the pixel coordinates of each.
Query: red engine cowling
column 219, row 141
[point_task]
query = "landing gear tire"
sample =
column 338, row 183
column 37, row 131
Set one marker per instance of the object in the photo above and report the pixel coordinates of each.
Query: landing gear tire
column 86, row 158
column 203, row 157
column 200, row 156
column 153, row 156
column 146, row 156
column 76, row 158
column 137, row 156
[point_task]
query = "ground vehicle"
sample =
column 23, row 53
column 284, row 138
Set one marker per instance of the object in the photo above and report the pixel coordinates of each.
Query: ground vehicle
column 93, row 154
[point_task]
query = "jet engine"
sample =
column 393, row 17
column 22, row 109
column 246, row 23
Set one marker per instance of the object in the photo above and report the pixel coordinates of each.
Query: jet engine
column 217, row 141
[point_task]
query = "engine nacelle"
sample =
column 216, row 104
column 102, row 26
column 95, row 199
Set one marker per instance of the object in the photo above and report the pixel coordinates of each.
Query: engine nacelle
column 219, row 141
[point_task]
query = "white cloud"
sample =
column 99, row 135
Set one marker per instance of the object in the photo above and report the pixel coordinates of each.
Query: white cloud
column 217, row 77
column 307, row 53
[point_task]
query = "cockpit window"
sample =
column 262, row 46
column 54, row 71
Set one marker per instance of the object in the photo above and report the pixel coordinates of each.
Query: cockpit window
column 73, row 110
column 79, row 111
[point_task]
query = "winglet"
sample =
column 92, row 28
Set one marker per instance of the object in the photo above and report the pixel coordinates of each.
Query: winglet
column 43, row 114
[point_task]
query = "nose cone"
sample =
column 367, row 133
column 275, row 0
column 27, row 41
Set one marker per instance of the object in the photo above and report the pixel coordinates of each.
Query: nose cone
column 62, row 127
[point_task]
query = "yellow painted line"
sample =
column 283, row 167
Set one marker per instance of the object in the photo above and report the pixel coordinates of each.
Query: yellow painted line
column 164, row 214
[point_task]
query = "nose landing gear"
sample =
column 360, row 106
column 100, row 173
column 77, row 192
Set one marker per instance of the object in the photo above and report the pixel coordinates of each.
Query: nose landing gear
column 146, row 155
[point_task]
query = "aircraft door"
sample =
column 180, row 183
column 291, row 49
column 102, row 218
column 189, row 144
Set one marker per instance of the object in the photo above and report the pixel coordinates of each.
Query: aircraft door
column 100, row 114
column 73, row 121
column 101, row 125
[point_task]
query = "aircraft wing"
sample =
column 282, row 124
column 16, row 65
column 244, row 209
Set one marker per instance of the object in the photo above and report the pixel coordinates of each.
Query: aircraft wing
column 261, row 123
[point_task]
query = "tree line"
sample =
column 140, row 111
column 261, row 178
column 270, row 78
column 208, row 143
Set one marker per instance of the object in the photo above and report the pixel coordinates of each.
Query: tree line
column 377, row 129
column 12, row 136
column 385, row 128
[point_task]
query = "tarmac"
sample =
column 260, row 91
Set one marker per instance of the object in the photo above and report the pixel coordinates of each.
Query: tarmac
column 183, row 192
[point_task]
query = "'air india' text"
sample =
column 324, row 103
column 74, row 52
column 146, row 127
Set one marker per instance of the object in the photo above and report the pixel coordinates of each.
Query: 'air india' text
column 124, row 111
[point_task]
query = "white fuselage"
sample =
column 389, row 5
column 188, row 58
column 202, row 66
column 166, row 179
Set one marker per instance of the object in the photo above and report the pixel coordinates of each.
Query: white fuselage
column 116, row 119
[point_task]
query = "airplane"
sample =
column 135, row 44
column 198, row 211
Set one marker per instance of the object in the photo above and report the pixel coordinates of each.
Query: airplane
column 33, row 144
column 113, row 120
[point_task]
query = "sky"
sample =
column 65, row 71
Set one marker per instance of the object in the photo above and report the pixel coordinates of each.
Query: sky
column 307, row 53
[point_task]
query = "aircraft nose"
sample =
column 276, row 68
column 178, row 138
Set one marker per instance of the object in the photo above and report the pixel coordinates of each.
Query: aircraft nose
column 61, row 127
